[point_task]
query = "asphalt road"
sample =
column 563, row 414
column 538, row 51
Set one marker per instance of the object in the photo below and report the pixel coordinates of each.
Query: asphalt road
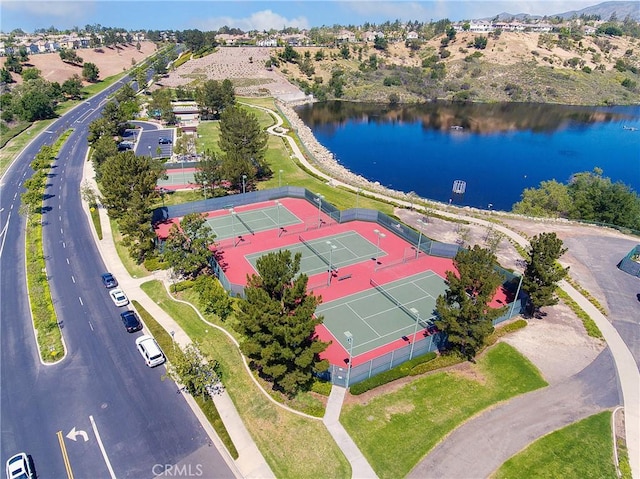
column 101, row 407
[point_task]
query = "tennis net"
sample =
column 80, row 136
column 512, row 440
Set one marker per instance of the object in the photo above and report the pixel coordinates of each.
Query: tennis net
column 245, row 224
column 315, row 251
column 390, row 297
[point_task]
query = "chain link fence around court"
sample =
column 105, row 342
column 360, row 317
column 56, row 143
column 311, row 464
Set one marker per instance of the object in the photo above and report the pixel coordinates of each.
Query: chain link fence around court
column 419, row 242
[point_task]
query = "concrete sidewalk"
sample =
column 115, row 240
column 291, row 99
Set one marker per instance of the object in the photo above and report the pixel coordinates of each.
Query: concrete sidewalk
column 251, row 462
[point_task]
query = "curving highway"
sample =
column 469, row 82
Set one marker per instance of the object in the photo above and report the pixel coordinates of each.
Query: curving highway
column 100, row 412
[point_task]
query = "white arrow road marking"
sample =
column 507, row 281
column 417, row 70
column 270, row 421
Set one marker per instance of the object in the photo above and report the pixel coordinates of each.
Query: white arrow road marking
column 73, row 435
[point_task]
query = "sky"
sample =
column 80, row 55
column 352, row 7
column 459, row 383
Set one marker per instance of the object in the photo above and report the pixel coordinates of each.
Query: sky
column 30, row 15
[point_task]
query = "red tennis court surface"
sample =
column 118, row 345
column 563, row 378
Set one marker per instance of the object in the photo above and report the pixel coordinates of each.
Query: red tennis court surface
column 351, row 279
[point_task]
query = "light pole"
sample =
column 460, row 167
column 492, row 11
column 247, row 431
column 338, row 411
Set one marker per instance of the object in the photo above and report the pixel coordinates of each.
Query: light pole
column 415, row 331
column 244, row 177
column 513, row 305
column 349, row 337
column 278, row 214
column 331, row 248
column 279, row 178
column 420, row 236
column 379, row 234
column 319, row 201
column 173, row 342
column 233, row 227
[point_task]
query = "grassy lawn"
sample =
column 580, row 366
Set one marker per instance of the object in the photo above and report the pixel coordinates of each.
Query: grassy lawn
column 135, row 270
column 396, row 430
column 294, row 446
column 579, row 451
column 17, row 144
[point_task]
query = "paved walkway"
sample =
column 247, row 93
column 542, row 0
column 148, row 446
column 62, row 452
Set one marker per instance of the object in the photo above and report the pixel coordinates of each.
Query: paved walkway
column 482, row 444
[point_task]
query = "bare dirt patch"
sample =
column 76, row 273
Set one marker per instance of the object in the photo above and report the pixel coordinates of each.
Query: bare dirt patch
column 109, row 62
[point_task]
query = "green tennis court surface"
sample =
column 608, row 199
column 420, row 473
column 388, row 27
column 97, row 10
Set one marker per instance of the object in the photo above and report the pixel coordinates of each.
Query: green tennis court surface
column 375, row 319
column 337, row 250
column 251, row 222
column 177, row 177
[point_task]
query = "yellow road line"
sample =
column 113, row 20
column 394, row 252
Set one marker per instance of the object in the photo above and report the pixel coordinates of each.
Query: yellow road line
column 65, row 456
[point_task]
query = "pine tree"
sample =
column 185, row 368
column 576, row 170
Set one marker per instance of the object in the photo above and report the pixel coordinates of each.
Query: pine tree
column 278, row 323
column 543, row 272
column 464, row 314
column 187, row 247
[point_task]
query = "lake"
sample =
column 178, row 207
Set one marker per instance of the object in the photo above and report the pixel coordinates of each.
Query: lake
column 497, row 149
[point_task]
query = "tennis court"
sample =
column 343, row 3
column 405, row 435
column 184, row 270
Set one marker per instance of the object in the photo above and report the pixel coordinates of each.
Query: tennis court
column 385, row 313
column 329, row 252
column 250, row 222
column 178, row 177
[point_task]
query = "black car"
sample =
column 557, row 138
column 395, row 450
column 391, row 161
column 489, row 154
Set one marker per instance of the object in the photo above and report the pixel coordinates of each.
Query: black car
column 131, row 321
column 109, row 281
column 164, row 141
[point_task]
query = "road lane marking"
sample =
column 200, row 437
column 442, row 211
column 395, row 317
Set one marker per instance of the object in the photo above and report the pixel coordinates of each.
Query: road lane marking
column 91, row 325
column 80, row 298
column 65, row 456
column 64, row 245
column 73, row 279
column 61, row 232
column 102, row 449
column 68, row 261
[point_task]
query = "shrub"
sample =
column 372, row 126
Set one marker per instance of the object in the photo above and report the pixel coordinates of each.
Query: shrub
column 182, row 285
column 154, row 264
column 321, row 387
column 404, row 370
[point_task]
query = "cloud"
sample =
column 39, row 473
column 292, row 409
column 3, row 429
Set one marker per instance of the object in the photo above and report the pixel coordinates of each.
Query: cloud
column 263, row 20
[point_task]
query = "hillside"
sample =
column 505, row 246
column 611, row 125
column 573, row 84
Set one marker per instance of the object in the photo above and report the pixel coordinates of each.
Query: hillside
column 515, row 66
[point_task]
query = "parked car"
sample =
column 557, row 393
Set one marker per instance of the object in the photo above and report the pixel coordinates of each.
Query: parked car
column 109, row 281
column 163, row 140
column 131, row 321
column 118, row 297
column 150, row 351
column 18, row 467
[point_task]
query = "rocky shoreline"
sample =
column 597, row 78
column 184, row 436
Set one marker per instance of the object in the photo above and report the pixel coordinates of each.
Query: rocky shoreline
column 327, row 162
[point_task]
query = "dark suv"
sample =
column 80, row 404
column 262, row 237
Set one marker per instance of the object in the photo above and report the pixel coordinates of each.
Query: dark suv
column 164, row 141
column 131, row 321
column 108, row 280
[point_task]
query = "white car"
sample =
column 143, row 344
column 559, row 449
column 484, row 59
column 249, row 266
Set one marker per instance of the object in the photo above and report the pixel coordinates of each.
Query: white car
column 18, row 467
column 118, row 297
column 150, row 351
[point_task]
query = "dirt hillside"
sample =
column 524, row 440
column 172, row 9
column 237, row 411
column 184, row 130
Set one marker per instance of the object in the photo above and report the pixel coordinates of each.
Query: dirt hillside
column 108, row 60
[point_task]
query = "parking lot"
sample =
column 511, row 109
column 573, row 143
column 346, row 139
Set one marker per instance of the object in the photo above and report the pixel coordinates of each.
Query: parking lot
column 147, row 142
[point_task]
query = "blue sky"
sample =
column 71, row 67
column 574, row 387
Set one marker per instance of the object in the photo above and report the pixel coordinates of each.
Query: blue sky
column 260, row 15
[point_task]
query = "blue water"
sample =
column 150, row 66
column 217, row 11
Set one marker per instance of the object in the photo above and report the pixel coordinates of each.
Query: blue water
column 418, row 151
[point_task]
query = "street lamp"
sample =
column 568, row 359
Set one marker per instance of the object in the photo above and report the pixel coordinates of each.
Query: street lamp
column 331, row 248
column 173, row 342
column 415, row 331
column 233, row 227
column 278, row 210
column 279, row 178
column 379, row 234
column 319, row 201
column 244, row 177
column 349, row 337
column 420, row 236
column 513, row 304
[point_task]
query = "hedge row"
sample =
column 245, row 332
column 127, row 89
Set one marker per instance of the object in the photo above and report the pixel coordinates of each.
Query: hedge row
column 392, row 374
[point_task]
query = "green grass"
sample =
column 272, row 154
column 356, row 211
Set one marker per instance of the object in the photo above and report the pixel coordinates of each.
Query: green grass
column 581, row 450
column 294, row 446
column 13, row 148
column 134, row 269
column 95, row 218
column 589, row 324
column 395, row 431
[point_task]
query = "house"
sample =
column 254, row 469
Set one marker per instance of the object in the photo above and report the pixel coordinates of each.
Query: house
column 412, row 35
column 346, row 36
column 589, row 30
column 33, row 49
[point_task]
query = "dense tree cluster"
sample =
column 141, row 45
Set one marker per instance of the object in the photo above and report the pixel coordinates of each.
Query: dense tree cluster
column 278, row 324
column 187, row 249
column 588, row 196
column 464, row 314
column 213, row 97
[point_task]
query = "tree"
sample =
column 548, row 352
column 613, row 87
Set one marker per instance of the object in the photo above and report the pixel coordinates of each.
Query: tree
column 104, row 147
column 90, row 72
column 480, row 42
column 70, row 56
column 197, row 373
column 194, row 39
column 278, row 323
column 160, row 105
column 244, row 143
column 380, row 43
column 34, row 100
column 187, row 247
column 214, row 299
column 5, row 76
column 209, row 173
column 464, row 314
column 30, row 74
column 13, row 64
column 72, row 87
column 213, row 97
column 550, row 199
column 542, row 271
